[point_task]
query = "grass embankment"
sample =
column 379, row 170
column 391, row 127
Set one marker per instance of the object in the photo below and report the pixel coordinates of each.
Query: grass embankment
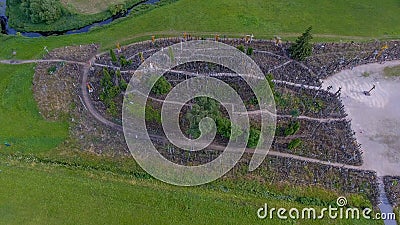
column 59, row 193
column 54, row 195
column 21, row 124
column 339, row 20
column 392, row 71
column 71, row 18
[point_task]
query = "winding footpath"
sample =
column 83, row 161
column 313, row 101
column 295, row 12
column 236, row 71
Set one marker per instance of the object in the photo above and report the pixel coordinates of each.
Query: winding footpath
column 20, row 62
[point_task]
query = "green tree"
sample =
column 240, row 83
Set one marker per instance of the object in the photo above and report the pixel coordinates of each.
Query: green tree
column 118, row 9
column 204, row 107
column 292, row 129
column 250, row 51
column 124, row 61
column 113, row 56
column 208, row 107
column 106, row 84
column 270, row 78
column 109, row 91
column 152, row 115
column 302, row 48
column 123, row 85
column 161, row 87
column 223, row 127
column 42, row 11
column 254, row 137
column 241, row 48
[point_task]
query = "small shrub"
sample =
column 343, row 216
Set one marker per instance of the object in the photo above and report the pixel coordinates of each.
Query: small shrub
column 123, row 85
column 223, row 127
column 124, row 62
column 296, row 127
column 366, row 74
column 270, row 79
column 52, row 70
column 114, row 91
column 118, row 9
column 118, row 74
column 250, row 51
column 253, row 101
column 241, row 48
column 113, row 56
column 112, row 108
column 109, row 92
column 141, row 56
column 294, row 144
column 106, row 83
column 161, row 87
column 292, row 129
column 152, row 115
column 254, row 137
column 295, row 113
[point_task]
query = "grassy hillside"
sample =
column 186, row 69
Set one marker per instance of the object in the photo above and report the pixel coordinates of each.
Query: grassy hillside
column 21, row 124
column 332, row 20
column 36, row 193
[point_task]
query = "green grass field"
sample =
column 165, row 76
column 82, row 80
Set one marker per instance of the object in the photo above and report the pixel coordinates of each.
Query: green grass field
column 340, row 20
column 21, row 124
column 54, row 194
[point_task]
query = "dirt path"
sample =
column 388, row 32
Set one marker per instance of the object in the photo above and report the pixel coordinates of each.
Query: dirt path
column 88, row 102
column 254, row 112
column 20, row 62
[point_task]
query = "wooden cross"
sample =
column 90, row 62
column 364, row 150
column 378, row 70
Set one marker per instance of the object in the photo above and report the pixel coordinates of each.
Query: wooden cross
column 368, row 93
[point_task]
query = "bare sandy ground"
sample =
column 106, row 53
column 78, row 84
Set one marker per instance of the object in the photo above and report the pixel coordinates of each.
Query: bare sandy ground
column 375, row 118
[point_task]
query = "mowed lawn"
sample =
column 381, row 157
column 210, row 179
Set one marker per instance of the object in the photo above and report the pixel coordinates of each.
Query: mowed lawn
column 41, row 194
column 21, row 125
column 332, row 20
column 90, row 6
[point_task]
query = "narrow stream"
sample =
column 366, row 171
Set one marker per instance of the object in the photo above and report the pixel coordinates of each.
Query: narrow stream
column 5, row 29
